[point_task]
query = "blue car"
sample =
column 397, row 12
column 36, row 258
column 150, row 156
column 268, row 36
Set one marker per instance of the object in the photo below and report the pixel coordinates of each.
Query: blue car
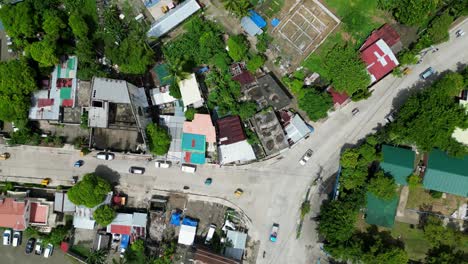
column 78, row 164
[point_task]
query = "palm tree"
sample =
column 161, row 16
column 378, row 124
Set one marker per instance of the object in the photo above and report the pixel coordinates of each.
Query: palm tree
column 238, row 7
column 97, row 257
column 177, row 73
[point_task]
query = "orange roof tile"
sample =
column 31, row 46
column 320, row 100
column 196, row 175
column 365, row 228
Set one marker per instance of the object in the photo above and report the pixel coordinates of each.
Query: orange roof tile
column 12, row 213
column 201, row 125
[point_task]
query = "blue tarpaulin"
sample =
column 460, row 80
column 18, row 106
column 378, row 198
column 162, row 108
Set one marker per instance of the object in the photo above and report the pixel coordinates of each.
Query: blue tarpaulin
column 124, row 242
column 189, row 222
column 175, row 219
column 257, row 19
column 275, row 22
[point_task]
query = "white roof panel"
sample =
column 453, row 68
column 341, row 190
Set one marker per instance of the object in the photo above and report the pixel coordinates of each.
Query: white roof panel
column 187, row 235
column 239, row 151
column 190, row 91
column 173, row 18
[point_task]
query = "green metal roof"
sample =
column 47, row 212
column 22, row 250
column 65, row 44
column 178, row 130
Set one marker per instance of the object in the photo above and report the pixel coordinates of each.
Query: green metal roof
column 380, row 212
column 399, row 162
column 447, row 174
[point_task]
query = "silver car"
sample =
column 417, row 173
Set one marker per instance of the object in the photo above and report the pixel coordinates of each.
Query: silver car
column 306, row 157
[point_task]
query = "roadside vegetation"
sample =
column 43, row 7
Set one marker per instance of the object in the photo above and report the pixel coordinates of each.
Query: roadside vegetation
column 90, row 191
column 159, row 139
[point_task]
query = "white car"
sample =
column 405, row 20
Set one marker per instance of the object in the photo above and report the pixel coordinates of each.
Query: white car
column 189, row 168
column 162, row 164
column 7, row 237
column 460, row 33
column 210, row 234
column 16, row 239
column 38, row 248
column 105, row 156
column 306, row 157
column 49, row 250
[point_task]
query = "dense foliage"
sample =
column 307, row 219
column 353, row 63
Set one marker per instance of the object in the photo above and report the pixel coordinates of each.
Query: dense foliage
column 382, row 186
column 238, row 47
column 412, row 12
column 159, row 139
column 16, row 85
column 316, row 104
column 429, row 117
column 90, row 191
column 237, row 7
column 104, row 215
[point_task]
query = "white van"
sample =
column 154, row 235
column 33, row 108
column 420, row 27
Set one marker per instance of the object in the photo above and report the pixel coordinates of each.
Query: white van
column 7, row 237
column 16, row 239
column 162, row 164
column 137, row 170
column 210, row 234
column 189, row 168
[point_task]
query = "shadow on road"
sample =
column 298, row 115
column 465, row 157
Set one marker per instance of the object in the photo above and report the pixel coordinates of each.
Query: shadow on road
column 108, row 174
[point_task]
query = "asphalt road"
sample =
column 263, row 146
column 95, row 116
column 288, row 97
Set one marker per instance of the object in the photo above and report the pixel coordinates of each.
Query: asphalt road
column 274, row 189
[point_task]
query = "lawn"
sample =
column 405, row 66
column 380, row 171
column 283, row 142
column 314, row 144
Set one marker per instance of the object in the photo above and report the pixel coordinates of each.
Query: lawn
column 271, row 7
column 415, row 243
column 81, row 250
column 420, row 199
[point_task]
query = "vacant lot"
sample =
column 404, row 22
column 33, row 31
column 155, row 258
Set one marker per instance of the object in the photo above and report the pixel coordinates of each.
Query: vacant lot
column 11, row 255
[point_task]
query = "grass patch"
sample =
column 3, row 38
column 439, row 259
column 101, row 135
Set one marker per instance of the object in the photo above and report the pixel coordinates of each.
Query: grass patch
column 315, row 61
column 81, row 250
column 415, row 243
column 271, row 7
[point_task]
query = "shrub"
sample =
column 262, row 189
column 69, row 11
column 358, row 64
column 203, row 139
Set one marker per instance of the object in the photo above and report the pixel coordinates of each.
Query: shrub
column 104, row 215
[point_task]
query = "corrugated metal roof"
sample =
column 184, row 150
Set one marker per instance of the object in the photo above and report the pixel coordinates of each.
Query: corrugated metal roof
column 379, row 59
column 380, row 212
column 230, row 130
column 399, row 162
column 297, row 129
column 173, row 18
column 386, row 32
column 239, row 151
column 250, row 27
column 187, row 235
column 447, row 174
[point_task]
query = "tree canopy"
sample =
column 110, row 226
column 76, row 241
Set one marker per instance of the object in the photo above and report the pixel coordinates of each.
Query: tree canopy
column 254, row 63
column 413, row 12
column 104, row 215
column 346, row 70
column 429, row 117
column 382, row 186
column 159, row 139
column 90, row 191
column 337, row 221
column 238, row 7
column 316, row 104
column 16, row 85
column 238, row 47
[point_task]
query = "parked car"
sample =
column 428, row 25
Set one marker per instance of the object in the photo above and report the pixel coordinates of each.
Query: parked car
column 4, row 156
column 459, row 33
column 239, row 192
column 208, row 181
column 189, row 168
column 274, row 232
column 137, row 170
column 78, row 163
column 355, row 111
column 427, row 73
column 16, row 239
column 30, row 245
column 390, row 117
column 7, row 237
column 306, row 157
column 210, row 234
column 105, row 156
column 162, row 164
column 49, row 250
column 45, row 181
column 38, row 248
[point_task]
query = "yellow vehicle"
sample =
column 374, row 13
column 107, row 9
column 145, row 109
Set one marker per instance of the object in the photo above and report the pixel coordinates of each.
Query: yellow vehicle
column 4, row 156
column 406, row 71
column 238, row 192
column 45, row 181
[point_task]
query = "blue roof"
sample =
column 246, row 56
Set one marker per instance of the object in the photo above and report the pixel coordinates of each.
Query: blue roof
column 175, row 219
column 257, row 19
column 275, row 22
column 125, row 240
column 250, row 27
column 194, row 143
column 197, row 158
column 189, row 222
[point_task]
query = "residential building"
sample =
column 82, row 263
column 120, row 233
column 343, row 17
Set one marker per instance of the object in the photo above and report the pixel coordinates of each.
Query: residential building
column 266, row 91
column 194, row 146
column 253, row 24
column 379, row 59
column 398, row 162
column 388, row 34
column 339, row 99
column 201, row 125
column 296, row 129
column 62, row 204
column 175, row 126
column 83, row 217
column 190, row 91
column 118, row 115
column 187, row 232
column 56, row 101
column 232, row 141
column 165, row 22
column 161, row 96
column 133, row 225
column 42, row 214
column 237, row 244
column 446, row 174
column 381, row 212
column 270, row 132
column 15, row 213
column 240, row 73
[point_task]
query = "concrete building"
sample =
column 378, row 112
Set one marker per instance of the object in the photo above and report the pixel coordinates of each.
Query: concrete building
column 62, row 204
column 15, row 213
column 296, row 129
column 118, row 115
column 133, row 225
column 270, row 132
column 187, row 232
column 238, row 241
column 190, row 90
column 175, row 125
column 83, row 217
column 266, row 91
column 232, row 141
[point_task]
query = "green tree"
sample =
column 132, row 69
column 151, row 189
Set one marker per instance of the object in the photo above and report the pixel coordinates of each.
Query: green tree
column 97, row 257
column 238, row 7
column 263, row 41
column 444, row 254
column 438, row 235
column 52, row 24
column 353, row 178
column 26, row 26
column 44, row 52
column 407, row 57
column 255, row 63
column 159, row 139
column 247, row 110
column 337, row 221
column 349, row 158
column 382, row 187
column 177, row 73
column 16, row 85
column 238, row 47
column 413, row 181
column 190, row 113
column 57, row 235
column 78, row 25
column 414, row 12
column 104, row 215
column 345, row 69
column 438, row 30
column 315, row 104
column 90, row 191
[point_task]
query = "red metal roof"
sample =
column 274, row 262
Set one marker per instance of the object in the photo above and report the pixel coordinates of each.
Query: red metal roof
column 12, row 213
column 121, row 229
column 379, row 59
column 338, row 98
column 39, row 213
column 67, row 102
column 43, row 102
column 244, row 78
column 386, row 32
column 230, row 130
